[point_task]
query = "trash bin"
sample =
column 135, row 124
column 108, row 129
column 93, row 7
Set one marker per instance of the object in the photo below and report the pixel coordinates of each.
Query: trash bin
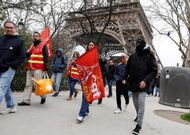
column 175, row 87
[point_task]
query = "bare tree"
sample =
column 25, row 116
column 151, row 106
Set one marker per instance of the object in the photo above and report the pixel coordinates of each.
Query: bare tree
column 38, row 14
column 176, row 14
column 17, row 9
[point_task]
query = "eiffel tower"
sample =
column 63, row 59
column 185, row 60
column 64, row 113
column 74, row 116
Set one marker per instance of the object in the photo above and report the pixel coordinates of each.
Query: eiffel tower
column 127, row 23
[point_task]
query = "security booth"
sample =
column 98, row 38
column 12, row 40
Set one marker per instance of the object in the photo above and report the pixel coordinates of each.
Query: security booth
column 175, row 87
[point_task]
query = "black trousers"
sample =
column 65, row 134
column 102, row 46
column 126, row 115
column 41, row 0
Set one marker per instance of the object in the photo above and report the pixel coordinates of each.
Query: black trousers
column 121, row 89
column 104, row 81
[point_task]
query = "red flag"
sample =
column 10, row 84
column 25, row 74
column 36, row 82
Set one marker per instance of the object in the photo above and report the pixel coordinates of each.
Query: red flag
column 46, row 38
column 90, row 75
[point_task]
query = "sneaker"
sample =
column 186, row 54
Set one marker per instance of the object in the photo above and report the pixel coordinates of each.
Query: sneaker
column 136, row 130
column 43, row 100
column 55, row 95
column 80, row 119
column 136, row 119
column 9, row 110
column 23, row 104
column 117, row 111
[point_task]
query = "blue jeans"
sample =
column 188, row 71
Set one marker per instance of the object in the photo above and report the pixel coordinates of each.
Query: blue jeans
column 57, row 77
column 110, row 82
column 84, row 107
column 157, row 91
column 5, row 90
column 72, row 82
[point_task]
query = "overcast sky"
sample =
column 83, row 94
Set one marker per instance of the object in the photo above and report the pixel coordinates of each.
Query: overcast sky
column 167, row 51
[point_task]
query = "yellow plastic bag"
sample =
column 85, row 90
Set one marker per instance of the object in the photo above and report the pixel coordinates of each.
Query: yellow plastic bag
column 43, row 86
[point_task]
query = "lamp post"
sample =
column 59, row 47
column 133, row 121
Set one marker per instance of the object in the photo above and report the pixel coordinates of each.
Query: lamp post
column 20, row 26
column 42, row 4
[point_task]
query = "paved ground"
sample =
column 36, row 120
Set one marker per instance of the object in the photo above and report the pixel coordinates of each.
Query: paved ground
column 58, row 117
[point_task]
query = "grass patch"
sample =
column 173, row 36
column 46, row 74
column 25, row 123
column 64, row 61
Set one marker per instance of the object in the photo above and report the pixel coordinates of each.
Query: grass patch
column 186, row 117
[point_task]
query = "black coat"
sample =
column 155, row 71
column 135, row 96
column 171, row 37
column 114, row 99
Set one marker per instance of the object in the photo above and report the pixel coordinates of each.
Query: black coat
column 103, row 69
column 12, row 52
column 110, row 71
column 140, row 67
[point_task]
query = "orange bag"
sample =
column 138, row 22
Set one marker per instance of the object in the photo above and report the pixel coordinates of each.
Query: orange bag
column 44, row 85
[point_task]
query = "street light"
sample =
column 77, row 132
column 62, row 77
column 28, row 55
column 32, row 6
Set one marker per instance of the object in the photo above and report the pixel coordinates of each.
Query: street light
column 21, row 24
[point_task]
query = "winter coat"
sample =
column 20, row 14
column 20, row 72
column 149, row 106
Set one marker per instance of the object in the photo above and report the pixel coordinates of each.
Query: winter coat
column 141, row 67
column 59, row 62
column 110, row 71
column 12, row 52
column 120, row 72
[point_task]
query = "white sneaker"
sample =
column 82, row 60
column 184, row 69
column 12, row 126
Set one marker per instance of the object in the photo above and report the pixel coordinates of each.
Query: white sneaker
column 117, row 111
column 80, row 119
column 9, row 110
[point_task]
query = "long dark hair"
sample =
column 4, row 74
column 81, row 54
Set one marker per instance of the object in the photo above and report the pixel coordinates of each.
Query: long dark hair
column 89, row 44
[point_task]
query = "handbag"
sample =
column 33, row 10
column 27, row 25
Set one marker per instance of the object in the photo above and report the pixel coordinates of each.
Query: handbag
column 43, row 86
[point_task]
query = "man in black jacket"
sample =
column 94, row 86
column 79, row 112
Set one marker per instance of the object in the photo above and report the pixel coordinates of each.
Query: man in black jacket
column 12, row 54
column 141, row 69
column 110, row 71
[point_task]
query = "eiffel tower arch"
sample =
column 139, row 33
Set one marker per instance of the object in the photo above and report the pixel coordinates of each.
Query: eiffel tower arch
column 127, row 23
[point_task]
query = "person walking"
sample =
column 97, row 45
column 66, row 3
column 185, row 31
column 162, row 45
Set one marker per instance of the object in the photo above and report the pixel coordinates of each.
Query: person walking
column 58, row 66
column 157, row 86
column 140, row 71
column 84, row 110
column 110, row 71
column 37, row 64
column 102, row 63
column 73, row 75
column 121, row 86
column 12, row 54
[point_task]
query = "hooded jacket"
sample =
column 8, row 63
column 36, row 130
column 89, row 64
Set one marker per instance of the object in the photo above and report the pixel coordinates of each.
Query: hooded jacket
column 141, row 66
column 12, row 52
column 59, row 62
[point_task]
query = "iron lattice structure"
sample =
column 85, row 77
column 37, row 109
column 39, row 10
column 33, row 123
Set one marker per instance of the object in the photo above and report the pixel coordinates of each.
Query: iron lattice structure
column 127, row 23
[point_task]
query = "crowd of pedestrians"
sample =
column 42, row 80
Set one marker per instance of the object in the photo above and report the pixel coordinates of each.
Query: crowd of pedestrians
column 134, row 73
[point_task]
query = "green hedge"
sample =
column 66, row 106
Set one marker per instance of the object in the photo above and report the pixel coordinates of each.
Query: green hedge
column 186, row 117
column 19, row 80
